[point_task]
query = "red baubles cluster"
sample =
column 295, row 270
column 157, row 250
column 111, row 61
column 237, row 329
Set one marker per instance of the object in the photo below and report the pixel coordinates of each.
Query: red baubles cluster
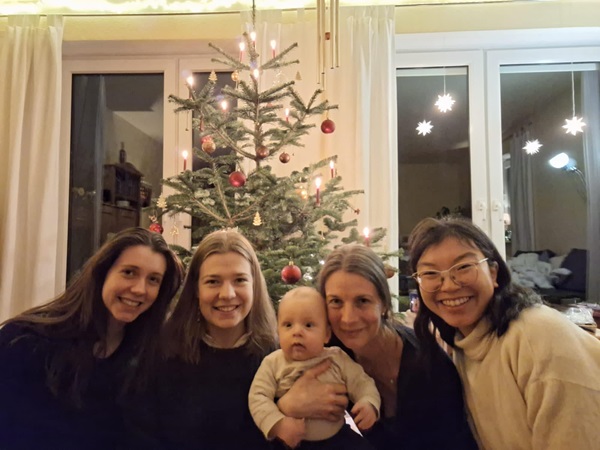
column 291, row 273
column 237, row 179
column 328, row 126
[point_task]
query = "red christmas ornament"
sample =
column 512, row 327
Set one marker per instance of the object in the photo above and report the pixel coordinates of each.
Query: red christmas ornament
column 291, row 273
column 156, row 227
column 237, row 179
column 328, row 126
column 284, row 157
column 208, row 145
column 262, row 152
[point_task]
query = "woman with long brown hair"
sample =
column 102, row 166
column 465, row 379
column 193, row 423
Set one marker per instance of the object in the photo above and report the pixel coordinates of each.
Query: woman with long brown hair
column 220, row 330
column 64, row 365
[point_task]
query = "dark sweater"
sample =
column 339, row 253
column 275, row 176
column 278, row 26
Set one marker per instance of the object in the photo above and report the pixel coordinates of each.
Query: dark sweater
column 430, row 412
column 198, row 406
column 31, row 417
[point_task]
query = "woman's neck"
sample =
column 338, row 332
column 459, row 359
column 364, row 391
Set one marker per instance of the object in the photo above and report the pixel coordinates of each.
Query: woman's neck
column 379, row 345
column 226, row 338
column 115, row 331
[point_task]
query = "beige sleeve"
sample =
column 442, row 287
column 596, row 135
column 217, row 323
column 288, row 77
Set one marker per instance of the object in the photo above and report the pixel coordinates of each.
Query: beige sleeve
column 261, row 397
column 360, row 386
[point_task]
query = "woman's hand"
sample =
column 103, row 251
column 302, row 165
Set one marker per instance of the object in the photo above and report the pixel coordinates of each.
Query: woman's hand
column 309, row 398
column 289, row 430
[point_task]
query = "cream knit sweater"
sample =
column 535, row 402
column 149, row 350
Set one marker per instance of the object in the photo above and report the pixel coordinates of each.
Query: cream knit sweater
column 536, row 387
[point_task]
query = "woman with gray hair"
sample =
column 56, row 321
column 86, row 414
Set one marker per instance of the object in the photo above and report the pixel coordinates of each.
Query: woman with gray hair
column 422, row 403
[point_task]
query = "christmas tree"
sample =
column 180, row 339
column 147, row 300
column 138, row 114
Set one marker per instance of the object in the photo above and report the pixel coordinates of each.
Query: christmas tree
column 292, row 221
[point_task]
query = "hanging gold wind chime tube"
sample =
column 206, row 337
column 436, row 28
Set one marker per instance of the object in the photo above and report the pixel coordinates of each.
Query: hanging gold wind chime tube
column 323, row 36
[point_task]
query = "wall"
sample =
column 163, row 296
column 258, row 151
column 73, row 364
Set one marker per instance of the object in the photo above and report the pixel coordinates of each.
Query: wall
column 429, row 187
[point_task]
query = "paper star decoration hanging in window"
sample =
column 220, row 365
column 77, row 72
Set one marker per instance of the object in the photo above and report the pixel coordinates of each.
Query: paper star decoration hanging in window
column 424, row 127
column 574, row 125
column 444, row 102
column 532, row 147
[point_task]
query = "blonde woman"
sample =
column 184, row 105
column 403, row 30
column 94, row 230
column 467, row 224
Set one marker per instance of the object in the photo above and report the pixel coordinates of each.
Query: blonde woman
column 220, row 330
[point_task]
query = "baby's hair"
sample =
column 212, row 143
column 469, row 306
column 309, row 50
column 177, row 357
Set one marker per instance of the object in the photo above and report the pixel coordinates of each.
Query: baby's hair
column 303, row 291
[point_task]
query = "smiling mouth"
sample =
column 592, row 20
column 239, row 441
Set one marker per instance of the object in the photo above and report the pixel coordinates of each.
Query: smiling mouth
column 351, row 332
column 454, row 302
column 131, row 303
column 227, row 308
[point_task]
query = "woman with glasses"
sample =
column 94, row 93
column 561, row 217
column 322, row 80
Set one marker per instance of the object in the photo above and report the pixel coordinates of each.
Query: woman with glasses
column 531, row 377
column 422, row 403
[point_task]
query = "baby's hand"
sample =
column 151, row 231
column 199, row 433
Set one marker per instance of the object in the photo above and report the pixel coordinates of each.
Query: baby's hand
column 364, row 415
column 289, row 430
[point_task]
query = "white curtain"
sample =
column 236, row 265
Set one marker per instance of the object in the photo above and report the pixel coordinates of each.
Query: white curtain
column 30, row 95
column 591, row 142
column 364, row 87
column 521, row 196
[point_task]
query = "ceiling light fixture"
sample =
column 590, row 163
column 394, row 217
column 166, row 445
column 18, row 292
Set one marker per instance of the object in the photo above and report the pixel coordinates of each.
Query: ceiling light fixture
column 576, row 124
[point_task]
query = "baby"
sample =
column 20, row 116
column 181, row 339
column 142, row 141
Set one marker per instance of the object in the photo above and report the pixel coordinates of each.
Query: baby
column 303, row 332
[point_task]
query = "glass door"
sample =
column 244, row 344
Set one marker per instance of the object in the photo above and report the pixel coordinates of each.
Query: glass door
column 115, row 130
column 441, row 151
column 539, row 101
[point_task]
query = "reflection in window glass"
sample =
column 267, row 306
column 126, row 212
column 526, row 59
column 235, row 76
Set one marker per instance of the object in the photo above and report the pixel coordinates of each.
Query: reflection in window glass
column 433, row 169
column 549, row 204
column 116, row 157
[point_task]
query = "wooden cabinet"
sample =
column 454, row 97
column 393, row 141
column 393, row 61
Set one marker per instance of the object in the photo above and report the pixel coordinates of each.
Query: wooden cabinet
column 120, row 198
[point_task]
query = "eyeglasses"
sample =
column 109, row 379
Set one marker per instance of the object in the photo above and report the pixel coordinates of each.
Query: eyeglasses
column 462, row 274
